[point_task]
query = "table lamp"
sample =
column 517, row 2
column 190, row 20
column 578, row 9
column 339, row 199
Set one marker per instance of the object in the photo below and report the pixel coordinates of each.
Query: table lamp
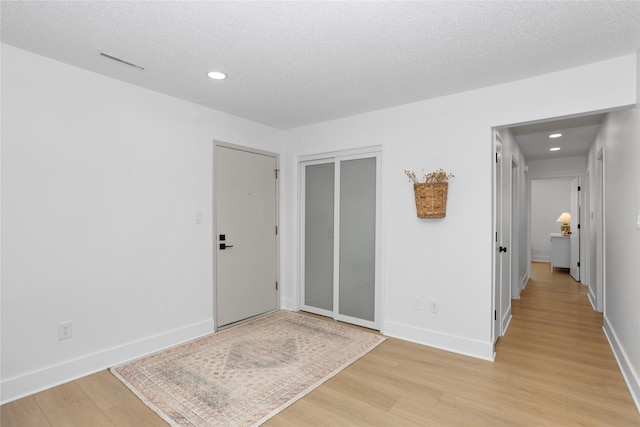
column 565, row 219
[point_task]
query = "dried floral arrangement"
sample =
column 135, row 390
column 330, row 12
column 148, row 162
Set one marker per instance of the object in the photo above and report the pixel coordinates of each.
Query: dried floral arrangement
column 436, row 176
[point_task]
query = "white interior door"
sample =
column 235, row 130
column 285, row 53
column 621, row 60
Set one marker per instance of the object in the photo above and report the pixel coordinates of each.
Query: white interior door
column 340, row 227
column 246, row 244
column 574, row 257
column 497, row 225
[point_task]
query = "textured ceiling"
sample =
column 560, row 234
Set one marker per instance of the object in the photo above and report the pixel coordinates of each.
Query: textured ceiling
column 295, row 63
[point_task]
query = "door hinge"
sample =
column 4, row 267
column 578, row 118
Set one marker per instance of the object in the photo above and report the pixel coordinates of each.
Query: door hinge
column 578, row 263
column 496, row 157
column 495, row 314
column 578, row 188
column 276, row 286
column 276, row 229
column 578, row 226
column 496, row 236
column 277, row 171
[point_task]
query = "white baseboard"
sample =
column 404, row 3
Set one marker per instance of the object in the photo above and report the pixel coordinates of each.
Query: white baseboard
column 506, row 320
column 592, row 299
column 540, row 258
column 289, row 304
column 456, row 344
column 525, row 279
column 628, row 372
column 32, row 382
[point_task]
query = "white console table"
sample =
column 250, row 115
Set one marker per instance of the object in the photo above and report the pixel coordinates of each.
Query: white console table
column 560, row 251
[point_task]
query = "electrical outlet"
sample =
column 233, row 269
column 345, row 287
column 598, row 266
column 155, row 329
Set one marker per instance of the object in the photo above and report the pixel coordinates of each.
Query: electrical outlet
column 434, row 307
column 64, row 330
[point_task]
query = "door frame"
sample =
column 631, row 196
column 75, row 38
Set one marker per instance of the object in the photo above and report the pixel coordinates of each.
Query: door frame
column 214, row 225
column 497, row 288
column 600, row 279
column 336, row 157
column 514, row 235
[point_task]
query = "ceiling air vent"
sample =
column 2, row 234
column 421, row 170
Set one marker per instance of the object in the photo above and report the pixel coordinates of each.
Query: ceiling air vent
column 122, row 61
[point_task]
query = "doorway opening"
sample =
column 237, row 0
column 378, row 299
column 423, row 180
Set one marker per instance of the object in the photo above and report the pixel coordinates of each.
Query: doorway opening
column 526, row 151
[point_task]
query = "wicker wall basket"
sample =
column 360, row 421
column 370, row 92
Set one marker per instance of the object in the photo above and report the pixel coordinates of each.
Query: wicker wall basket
column 431, row 199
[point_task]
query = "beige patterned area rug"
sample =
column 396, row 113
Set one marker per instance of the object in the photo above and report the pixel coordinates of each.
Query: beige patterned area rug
column 246, row 374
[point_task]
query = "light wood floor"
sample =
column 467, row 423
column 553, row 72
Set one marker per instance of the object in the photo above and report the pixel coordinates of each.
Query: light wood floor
column 554, row 367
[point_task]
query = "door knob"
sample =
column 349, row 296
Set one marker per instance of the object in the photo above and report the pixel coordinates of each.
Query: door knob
column 224, row 246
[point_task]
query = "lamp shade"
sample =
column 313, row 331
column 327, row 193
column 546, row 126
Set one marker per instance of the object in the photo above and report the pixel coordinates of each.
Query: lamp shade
column 565, row 218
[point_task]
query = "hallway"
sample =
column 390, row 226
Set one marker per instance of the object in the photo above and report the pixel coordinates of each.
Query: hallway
column 556, row 345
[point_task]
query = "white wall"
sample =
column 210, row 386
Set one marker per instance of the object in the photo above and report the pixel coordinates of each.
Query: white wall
column 549, row 198
column 619, row 138
column 450, row 259
column 619, row 141
column 570, row 167
column 100, row 184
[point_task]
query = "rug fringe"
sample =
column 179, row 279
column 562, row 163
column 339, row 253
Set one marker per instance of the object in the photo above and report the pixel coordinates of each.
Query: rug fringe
column 144, row 400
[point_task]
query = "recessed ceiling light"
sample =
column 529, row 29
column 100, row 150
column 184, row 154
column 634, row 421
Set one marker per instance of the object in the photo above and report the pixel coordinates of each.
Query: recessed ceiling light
column 216, row 75
column 554, row 149
column 555, row 135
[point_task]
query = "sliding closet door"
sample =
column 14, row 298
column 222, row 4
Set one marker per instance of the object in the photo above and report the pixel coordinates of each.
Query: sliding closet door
column 340, row 221
column 357, row 270
column 318, row 236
